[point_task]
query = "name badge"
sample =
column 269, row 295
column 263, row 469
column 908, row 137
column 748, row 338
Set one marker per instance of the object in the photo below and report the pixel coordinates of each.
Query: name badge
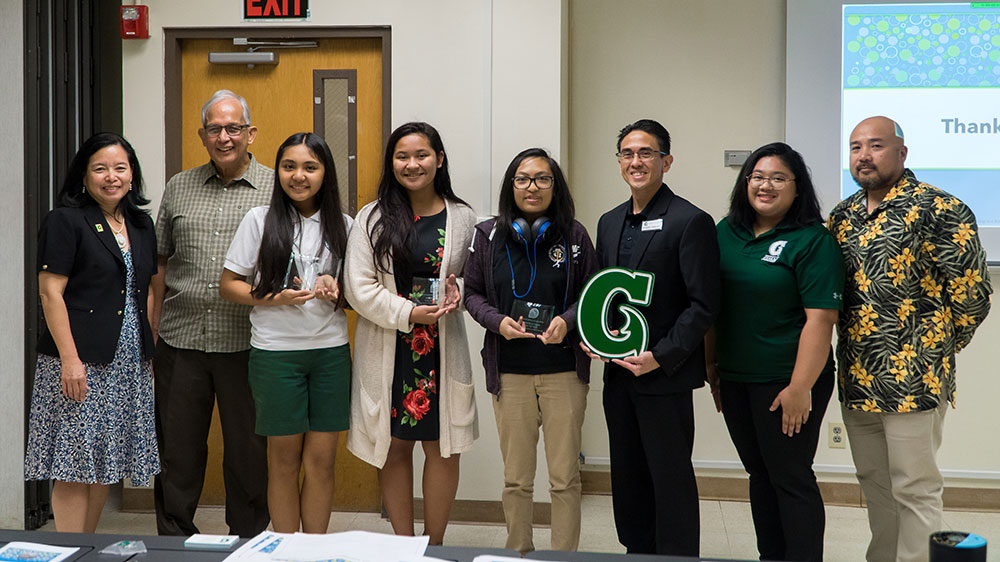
column 652, row 225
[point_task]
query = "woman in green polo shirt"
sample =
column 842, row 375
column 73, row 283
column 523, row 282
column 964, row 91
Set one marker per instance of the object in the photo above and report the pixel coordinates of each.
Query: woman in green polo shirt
column 771, row 366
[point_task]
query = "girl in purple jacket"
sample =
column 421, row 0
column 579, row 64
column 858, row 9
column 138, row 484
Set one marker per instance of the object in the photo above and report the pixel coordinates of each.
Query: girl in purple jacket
column 522, row 281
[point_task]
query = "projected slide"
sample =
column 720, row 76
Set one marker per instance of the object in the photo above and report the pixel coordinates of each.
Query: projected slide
column 934, row 68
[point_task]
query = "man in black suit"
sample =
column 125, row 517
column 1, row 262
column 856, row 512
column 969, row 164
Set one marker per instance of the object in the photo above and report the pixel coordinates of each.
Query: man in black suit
column 647, row 398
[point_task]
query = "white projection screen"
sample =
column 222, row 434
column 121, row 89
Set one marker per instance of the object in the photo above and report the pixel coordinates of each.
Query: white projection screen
column 932, row 66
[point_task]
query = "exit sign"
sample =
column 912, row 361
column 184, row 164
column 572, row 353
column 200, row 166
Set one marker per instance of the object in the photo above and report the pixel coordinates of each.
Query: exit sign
column 275, row 9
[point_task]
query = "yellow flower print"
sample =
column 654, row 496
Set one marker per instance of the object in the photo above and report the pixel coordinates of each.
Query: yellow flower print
column 958, row 294
column 881, row 219
column 941, row 204
column 963, row 235
column 912, row 215
column 965, row 320
column 928, row 249
column 861, row 375
column 940, row 317
column 896, row 276
column 899, row 373
column 930, row 286
column 842, row 229
column 932, row 382
column 946, row 363
column 907, row 404
column 893, row 193
column 972, row 276
column 929, row 340
column 870, row 406
column 862, row 280
column 904, row 311
column 867, row 312
column 854, row 332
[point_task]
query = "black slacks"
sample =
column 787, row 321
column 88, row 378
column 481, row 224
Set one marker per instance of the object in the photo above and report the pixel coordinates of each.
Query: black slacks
column 655, row 495
column 187, row 384
column 787, row 508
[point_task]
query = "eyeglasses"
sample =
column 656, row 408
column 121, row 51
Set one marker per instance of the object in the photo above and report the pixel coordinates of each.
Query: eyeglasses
column 524, row 182
column 777, row 182
column 643, row 153
column 232, row 130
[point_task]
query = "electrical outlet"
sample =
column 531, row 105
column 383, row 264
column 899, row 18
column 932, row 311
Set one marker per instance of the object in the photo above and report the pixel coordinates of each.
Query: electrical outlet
column 837, row 435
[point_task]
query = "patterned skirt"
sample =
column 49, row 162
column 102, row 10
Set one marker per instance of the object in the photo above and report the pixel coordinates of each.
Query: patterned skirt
column 111, row 434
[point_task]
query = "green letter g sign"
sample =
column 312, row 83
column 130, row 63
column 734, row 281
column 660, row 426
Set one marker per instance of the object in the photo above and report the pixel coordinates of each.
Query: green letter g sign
column 593, row 307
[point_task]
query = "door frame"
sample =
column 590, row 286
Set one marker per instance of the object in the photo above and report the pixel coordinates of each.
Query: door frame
column 172, row 76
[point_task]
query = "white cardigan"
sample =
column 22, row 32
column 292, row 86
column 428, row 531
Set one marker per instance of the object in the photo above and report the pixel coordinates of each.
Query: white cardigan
column 381, row 312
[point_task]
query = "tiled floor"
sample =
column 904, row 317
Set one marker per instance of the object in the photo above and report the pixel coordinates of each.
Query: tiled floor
column 726, row 528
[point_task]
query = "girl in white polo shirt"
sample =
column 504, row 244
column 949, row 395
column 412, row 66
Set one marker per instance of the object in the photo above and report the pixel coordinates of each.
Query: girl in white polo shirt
column 285, row 261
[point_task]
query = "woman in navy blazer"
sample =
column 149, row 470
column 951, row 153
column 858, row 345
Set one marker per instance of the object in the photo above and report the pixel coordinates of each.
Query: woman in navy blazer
column 91, row 420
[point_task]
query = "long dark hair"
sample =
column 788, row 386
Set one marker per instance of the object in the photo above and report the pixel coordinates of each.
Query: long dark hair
column 73, row 194
column 805, row 208
column 393, row 230
column 282, row 218
column 561, row 210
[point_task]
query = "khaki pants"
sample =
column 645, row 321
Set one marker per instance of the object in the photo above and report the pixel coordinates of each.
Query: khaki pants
column 556, row 402
column 895, row 456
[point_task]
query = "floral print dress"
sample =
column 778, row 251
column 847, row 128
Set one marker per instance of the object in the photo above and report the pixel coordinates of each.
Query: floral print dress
column 418, row 360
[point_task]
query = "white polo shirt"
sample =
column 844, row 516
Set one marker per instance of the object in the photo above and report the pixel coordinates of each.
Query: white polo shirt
column 313, row 325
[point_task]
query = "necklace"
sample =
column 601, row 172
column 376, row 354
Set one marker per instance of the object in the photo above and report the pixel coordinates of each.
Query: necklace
column 119, row 232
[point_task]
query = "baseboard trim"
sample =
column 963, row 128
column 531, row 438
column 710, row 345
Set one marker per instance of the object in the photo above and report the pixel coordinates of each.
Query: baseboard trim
column 599, row 483
column 463, row 511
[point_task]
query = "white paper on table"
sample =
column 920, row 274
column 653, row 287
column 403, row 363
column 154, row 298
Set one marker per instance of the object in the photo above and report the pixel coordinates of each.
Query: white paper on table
column 491, row 558
column 259, row 548
column 356, row 546
column 36, row 552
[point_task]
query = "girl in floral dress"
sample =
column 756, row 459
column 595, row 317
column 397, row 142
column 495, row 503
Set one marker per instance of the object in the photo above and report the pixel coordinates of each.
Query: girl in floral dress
column 412, row 372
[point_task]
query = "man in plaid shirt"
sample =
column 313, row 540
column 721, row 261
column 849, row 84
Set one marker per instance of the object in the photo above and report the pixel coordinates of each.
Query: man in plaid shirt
column 203, row 341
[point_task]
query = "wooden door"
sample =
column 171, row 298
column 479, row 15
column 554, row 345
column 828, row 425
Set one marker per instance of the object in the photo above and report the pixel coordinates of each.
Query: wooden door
column 282, row 103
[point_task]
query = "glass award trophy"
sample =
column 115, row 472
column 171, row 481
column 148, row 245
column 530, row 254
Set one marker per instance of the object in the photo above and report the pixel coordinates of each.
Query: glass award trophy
column 425, row 291
column 536, row 317
column 302, row 271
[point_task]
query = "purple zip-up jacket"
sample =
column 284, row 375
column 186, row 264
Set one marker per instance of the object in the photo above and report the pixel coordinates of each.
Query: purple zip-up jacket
column 481, row 295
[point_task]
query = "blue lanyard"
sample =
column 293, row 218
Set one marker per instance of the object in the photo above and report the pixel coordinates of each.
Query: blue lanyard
column 532, row 266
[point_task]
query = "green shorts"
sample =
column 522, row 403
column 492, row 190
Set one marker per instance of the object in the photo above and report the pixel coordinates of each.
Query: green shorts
column 300, row 391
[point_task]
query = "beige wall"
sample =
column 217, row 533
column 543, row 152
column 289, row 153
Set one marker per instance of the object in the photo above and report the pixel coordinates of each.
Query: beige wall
column 486, row 74
column 12, row 341
column 713, row 72
column 496, row 77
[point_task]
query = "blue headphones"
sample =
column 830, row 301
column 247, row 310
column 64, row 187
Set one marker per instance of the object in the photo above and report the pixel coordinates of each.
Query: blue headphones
column 521, row 232
column 536, row 231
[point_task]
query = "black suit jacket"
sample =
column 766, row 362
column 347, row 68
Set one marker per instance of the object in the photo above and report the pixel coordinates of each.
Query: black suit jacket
column 77, row 243
column 684, row 257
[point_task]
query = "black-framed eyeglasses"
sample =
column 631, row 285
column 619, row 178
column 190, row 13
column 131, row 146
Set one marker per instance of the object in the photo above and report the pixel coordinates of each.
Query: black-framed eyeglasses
column 232, row 130
column 524, row 182
column 643, row 153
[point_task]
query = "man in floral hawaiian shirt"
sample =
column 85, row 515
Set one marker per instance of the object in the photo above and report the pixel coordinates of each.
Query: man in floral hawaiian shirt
column 917, row 288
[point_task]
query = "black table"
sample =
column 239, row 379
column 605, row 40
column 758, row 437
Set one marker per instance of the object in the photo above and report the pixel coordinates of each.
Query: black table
column 609, row 557
column 172, row 549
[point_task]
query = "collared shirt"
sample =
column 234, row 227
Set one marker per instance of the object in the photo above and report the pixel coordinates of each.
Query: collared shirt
column 199, row 215
column 917, row 288
column 631, row 227
column 767, row 283
column 315, row 324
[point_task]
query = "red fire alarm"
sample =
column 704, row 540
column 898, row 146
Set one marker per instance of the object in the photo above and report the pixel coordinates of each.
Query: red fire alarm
column 135, row 22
